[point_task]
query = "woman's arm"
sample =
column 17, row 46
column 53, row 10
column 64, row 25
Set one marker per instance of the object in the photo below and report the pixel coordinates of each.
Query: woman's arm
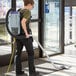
column 23, row 24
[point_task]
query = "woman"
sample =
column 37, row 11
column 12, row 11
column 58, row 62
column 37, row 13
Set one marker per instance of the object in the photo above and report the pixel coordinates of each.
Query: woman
column 27, row 41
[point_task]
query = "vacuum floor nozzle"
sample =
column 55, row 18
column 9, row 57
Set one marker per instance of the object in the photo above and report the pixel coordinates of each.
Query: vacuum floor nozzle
column 61, row 67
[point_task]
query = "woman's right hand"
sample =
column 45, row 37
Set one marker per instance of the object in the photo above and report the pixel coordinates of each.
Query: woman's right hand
column 27, row 35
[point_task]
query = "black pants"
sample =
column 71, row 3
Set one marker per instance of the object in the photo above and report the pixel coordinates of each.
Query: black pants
column 29, row 47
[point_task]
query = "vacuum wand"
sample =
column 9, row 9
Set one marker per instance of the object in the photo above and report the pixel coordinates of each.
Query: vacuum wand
column 58, row 66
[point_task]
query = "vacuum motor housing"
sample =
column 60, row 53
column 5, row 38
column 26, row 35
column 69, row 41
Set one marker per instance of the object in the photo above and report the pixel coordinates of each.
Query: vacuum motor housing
column 13, row 22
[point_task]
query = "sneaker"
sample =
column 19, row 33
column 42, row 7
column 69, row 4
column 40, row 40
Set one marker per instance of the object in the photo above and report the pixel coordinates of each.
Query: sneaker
column 35, row 74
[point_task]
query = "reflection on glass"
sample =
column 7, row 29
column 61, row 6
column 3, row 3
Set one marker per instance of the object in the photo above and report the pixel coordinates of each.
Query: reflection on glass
column 51, row 28
column 4, row 7
column 34, row 12
column 70, row 22
column 70, row 31
column 5, row 47
column 67, row 25
column 74, row 24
